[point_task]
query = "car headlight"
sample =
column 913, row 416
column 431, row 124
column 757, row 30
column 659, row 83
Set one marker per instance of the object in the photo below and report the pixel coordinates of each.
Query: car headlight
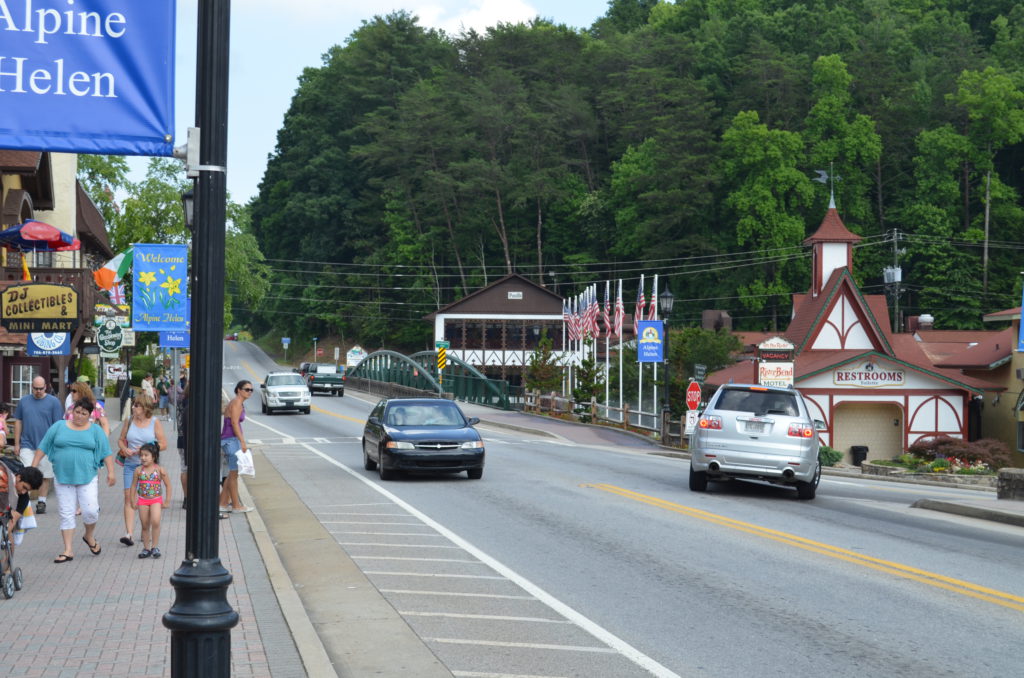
column 400, row 445
column 473, row 445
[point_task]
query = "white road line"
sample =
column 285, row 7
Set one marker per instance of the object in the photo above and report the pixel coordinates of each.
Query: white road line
column 491, row 617
column 321, row 440
column 593, row 628
column 484, row 674
column 356, row 513
column 376, row 503
column 366, row 522
column 405, row 546
column 532, row 646
column 423, row 560
column 413, row 592
column 389, row 534
column 433, row 574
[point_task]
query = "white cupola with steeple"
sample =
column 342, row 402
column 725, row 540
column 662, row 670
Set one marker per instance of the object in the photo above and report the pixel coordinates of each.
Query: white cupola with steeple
column 831, row 248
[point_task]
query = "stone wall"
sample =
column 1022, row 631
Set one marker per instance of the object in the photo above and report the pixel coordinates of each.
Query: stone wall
column 1010, row 484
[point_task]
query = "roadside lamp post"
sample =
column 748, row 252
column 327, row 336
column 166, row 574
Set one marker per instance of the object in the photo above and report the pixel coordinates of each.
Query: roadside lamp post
column 201, row 618
column 665, row 302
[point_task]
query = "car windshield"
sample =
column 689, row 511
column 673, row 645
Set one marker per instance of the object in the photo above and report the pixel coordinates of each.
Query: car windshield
column 758, row 402
column 285, row 380
column 441, row 414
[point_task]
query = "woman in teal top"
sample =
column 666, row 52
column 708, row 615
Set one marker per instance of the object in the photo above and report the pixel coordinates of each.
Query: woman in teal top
column 76, row 449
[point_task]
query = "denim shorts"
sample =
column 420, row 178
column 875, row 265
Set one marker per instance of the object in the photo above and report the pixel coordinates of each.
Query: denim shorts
column 130, row 464
column 229, row 446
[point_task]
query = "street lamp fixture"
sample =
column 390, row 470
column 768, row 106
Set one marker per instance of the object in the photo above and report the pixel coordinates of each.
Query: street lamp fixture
column 188, row 206
column 666, row 300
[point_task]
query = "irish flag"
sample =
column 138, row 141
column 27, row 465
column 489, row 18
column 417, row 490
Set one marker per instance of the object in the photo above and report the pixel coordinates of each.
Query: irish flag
column 114, row 270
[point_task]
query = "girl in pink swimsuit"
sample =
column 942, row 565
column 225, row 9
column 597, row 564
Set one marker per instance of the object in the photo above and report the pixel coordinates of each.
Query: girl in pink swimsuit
column 148, row 493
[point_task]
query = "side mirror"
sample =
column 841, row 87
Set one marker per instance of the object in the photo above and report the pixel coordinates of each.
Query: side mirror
column 263, row 385
column 819, row 425
column 473, row 421
column 374, row 420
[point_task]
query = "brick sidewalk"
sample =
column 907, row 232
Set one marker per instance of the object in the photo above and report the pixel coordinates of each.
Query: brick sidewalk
column 101, row 615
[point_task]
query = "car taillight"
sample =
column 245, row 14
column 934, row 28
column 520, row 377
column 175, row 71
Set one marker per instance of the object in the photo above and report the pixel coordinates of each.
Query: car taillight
column 711, row 422
column 801, row 430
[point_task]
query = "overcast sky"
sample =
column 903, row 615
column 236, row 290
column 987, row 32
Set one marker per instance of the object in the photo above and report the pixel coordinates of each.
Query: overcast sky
column 272, row 41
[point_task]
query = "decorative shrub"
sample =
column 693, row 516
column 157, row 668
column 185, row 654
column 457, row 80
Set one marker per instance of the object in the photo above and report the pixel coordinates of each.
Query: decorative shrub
column 993, row 453
column 829, row 456
column 939, row 465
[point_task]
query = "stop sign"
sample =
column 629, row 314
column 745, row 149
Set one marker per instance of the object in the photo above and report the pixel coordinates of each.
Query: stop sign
column 693, row 395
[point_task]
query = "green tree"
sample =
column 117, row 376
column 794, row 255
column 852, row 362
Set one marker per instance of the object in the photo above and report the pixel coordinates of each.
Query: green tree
column 588, row 385
column 544, row 370
column 767, row 193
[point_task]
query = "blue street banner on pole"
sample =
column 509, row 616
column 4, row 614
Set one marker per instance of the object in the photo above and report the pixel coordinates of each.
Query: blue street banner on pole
column 92, row 76
column 43, row 343
column 650, row 347
column 160, row 296
column 172, row 339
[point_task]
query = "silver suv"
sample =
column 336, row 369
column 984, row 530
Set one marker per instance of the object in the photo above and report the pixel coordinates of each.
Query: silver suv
column 756, row 432
column 284, row 391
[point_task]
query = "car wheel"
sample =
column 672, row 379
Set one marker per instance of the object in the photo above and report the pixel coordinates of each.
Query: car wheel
column 307, row 410
column 263, row 408
column 341, row 394
column 475, row 473
column 368, row 464
column 698, row 480
column 270, row 410
column 384, row 473
column 807, row 489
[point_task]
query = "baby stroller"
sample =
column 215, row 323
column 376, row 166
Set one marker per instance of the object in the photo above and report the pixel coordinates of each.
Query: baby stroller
column 11, row 578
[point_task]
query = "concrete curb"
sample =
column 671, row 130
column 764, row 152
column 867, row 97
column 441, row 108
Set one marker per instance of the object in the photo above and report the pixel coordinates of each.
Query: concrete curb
column 982, row 512
column 307, row 642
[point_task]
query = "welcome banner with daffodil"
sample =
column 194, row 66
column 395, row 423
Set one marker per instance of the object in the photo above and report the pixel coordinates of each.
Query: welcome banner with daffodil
column 161, row 288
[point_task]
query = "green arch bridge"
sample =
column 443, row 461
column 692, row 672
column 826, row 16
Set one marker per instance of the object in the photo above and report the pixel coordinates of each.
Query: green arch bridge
column 393, row 374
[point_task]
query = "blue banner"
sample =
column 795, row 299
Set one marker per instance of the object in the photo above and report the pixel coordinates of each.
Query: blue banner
column 650, row 347
column 159, row 292
column 175, row 339
column 45, row 343
column 92, row 76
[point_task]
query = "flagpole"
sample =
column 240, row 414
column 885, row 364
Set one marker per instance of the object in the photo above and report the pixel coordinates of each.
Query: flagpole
column 618, row 301
column 564, row 352
column 607, row 344
column 653, row 314
column 640, row 371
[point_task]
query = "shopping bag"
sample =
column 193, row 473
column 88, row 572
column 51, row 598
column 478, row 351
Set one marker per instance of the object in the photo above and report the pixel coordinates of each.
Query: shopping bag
column 28, row 519
column 246, row 465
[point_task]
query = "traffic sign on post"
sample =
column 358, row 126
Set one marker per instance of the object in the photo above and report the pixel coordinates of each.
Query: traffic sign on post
column 693, row 395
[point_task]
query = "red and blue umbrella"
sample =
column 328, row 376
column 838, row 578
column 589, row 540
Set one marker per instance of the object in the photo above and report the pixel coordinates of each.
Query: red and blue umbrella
column 35, row 236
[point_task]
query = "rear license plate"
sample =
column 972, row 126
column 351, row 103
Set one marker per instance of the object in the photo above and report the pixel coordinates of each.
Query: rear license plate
column 754, row 427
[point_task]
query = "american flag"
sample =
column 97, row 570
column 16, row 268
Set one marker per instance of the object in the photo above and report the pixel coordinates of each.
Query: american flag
column 570, row 328
column 607, row 311
column 638, row 314
column 620, row 313
column 116, row 293
column 595, row 312
column 652, row 310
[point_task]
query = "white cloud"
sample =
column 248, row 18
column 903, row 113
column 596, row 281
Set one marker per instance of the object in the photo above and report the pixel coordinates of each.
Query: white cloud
column 454, row 17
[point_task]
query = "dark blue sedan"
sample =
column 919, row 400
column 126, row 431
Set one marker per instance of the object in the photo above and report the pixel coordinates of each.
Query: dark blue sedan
column 421, row 435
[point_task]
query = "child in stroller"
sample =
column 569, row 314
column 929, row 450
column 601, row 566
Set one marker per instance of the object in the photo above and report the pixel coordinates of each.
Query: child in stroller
column 15, row 483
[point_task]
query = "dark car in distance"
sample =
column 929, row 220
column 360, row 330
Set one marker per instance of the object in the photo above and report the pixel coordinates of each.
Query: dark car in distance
column 421, row 435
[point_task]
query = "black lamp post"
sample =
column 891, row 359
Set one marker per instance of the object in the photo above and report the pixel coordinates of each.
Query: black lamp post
column 665, row 302
column 201, row 618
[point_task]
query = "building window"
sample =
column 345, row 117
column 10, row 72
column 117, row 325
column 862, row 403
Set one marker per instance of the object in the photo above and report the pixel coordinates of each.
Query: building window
column 44, row 259
column 21, row 381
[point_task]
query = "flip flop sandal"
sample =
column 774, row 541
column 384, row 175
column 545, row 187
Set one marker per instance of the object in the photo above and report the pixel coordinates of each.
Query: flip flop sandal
column 63, row 559
column 94, row 548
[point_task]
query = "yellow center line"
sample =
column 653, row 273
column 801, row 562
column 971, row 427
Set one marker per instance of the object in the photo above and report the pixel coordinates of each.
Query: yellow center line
column 905, row 571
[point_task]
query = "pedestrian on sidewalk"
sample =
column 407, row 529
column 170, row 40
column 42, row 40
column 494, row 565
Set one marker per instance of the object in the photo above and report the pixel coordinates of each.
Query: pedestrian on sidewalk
column 81, row 391
column 77, row 449
column 142, row 428
column 231, row 442
column 163, row 387
column 32, row 420
column 181, row 409
column 149, row 494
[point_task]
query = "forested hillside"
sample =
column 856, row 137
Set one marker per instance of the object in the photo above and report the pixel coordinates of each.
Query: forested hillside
column 679, row 139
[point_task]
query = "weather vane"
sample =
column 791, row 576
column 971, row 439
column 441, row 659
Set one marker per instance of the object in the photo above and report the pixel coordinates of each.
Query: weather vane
column 830, row 178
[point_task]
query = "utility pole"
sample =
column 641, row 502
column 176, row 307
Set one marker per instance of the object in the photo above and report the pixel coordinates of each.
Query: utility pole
column 893, row 276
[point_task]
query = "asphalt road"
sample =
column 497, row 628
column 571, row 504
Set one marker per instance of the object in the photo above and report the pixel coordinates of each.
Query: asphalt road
column 566, row 560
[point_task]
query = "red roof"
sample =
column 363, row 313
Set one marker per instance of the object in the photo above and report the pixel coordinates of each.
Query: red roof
column 991, row 350
column 832, row 229
column 20, row 161
column 1008, row 314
